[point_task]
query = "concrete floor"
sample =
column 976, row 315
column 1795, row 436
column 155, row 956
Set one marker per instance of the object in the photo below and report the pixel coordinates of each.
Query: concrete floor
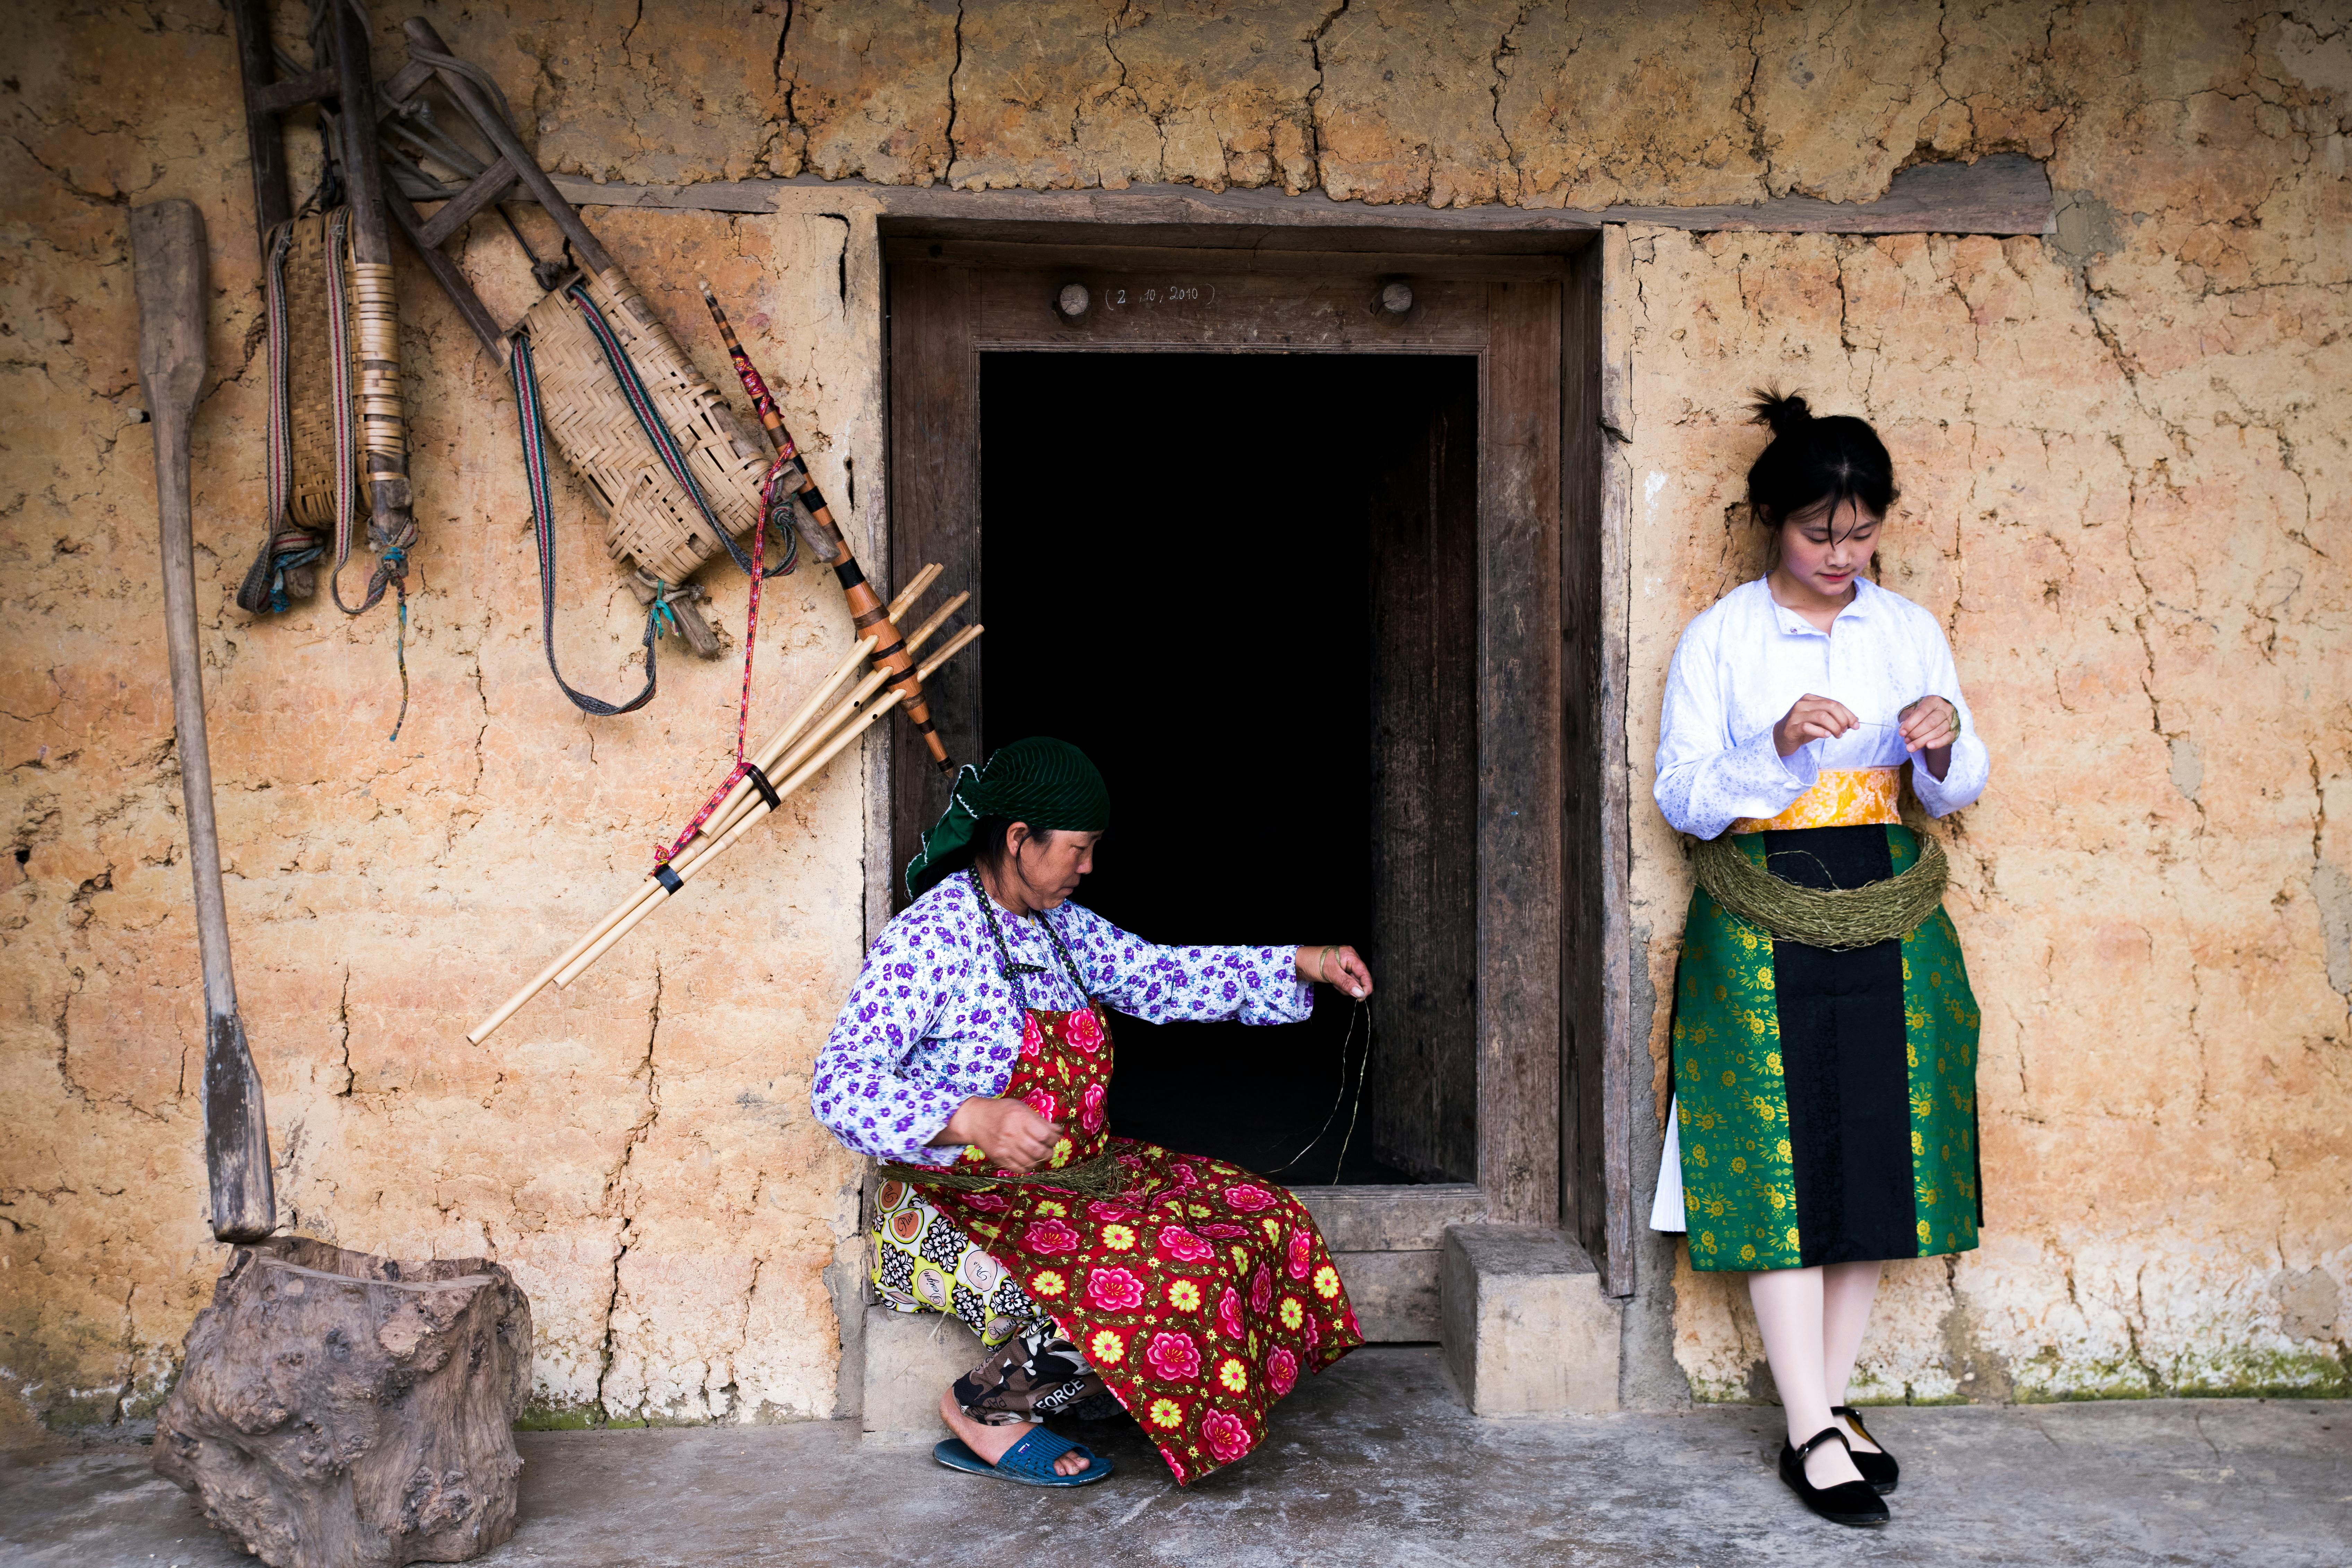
column 1374, row 1463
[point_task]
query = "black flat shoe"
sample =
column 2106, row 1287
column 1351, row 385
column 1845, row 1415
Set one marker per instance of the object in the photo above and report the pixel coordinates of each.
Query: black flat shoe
column 1848, row 1502
column 1879, row 1469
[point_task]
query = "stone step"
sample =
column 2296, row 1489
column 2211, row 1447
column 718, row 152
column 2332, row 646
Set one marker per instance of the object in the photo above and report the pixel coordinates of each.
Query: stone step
column 1526, row 1327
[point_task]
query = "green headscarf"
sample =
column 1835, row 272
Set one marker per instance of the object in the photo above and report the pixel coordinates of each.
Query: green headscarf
column 1045, row 783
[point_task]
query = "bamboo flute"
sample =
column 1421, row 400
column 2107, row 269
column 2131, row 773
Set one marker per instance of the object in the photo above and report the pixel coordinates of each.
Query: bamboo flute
column 685, row 869
column 778, row 759
column 767, row 759
column 866, row 610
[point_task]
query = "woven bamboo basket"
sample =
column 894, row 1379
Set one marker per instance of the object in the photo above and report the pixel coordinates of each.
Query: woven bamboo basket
column 647, row 519
column 310, row 378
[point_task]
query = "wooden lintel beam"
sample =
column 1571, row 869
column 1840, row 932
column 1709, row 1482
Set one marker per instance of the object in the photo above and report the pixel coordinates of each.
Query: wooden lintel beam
column 2005, row 194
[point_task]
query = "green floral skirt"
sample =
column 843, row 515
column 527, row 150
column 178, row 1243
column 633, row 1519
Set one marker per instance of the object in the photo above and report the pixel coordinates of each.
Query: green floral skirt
column 1826, row 1100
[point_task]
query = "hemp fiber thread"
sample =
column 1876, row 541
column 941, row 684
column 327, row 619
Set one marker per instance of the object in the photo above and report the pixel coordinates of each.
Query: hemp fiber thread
column 1835, row 918
column 1101, row 1178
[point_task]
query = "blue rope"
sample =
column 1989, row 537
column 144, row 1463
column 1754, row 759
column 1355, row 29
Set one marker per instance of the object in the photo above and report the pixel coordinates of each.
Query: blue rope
column 281, row 564
column 394, row 563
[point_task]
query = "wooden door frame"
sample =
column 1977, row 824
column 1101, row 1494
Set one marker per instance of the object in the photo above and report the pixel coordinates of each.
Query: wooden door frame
column 1550, row 1068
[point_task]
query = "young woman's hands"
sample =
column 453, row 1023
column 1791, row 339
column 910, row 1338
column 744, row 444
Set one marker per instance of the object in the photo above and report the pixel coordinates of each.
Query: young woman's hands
column 1334, row 966
column 1929, row 726
column 1013, row 1136
column 1809, row 719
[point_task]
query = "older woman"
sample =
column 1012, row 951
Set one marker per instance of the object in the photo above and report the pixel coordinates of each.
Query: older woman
column 974, row 1056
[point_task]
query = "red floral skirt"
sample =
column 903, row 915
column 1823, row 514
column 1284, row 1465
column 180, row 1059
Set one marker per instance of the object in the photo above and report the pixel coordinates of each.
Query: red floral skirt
column 1198, row 1294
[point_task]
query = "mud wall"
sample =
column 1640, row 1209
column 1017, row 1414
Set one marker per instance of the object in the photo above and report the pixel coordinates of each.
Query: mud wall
column 2126, row 494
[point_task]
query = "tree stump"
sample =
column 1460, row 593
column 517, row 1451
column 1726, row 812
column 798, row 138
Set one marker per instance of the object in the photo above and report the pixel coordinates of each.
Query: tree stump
column 338, row 1410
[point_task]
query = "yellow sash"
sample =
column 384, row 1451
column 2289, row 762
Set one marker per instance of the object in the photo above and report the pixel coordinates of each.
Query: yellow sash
column 1847, row 797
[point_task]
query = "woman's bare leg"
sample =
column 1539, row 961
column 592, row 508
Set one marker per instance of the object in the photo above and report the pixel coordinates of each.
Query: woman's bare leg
column 1788, row 1310
column 1847, row 1292
column 992, row 1442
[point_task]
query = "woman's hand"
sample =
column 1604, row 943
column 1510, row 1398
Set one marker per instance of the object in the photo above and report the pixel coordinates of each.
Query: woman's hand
column 1335, row 965
column 1809, row 719
column 1013, row 1136
column 1929, row 726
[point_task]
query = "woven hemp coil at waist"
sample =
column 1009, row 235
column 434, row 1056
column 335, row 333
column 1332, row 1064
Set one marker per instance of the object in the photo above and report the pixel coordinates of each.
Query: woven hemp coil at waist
column 1101, row 1177
column 1825, row 918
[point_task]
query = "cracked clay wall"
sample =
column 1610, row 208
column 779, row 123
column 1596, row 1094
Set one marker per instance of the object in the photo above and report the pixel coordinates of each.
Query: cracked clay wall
column 2127, row 493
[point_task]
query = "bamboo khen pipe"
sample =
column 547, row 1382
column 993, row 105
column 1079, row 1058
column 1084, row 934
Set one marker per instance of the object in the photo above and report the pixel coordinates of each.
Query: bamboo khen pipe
column 538, row 982
column 866, row 610
column 766, row 758
column 685, row 869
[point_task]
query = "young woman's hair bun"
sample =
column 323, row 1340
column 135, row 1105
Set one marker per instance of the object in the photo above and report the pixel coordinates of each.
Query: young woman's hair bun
column 1783, row 414
column 1811, row 459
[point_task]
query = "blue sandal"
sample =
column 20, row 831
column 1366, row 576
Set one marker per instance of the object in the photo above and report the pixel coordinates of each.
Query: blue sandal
column 1030, row 1461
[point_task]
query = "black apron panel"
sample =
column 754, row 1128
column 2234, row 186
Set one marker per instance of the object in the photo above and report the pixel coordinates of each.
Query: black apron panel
column 1843, row 1064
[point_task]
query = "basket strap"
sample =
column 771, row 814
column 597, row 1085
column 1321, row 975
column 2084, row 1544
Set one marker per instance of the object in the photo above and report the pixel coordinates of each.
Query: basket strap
column 543, row 531
column 284, row 545
column 641, row 403
column 339, row 372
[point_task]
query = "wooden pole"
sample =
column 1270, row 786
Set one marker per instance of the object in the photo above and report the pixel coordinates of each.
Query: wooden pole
column 167, row 256
column 423, row 41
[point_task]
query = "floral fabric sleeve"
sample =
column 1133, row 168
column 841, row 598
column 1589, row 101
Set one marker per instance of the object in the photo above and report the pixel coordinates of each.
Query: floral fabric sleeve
column 861, row 1088
column 1192, row 984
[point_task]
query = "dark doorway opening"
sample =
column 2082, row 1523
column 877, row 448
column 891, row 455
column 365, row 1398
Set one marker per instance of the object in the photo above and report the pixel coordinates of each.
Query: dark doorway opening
column 1244, row 584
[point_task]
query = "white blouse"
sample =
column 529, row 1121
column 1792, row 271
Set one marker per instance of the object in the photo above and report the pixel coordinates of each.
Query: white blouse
column 1745, row 661
column 1740, row 667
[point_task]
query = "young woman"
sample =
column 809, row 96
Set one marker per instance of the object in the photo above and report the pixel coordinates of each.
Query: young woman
column 1824, row 1114
column 976, row 1055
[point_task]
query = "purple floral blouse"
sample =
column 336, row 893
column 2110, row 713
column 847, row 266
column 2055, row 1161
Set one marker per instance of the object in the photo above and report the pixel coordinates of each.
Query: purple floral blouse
column 931, row 1022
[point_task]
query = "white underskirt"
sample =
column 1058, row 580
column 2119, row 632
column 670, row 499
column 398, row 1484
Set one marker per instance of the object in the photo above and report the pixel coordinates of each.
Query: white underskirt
column 1666, row 1209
